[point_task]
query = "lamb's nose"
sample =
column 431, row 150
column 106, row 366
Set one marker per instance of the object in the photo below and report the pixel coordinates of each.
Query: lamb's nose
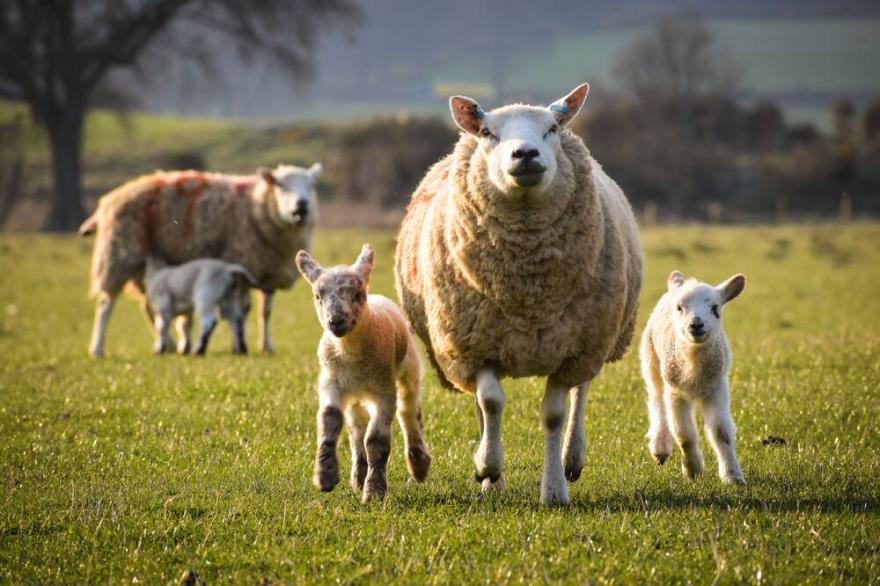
column 335, row 320
column 526, row 154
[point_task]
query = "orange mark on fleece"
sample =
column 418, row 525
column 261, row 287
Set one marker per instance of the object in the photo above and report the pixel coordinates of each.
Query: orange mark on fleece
column 151, row 207
column 191, row 185
column 244, row 186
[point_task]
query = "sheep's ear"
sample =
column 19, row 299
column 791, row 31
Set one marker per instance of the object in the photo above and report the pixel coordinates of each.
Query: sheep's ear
column 365, row 263
column 308, row 266
column 565, row 109
column 267, row 175
column 674, row 280
column 731, row 288
column 315, row 170
column 466, row 113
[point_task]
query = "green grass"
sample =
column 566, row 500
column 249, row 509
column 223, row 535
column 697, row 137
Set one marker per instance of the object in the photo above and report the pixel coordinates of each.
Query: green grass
column 138, row 468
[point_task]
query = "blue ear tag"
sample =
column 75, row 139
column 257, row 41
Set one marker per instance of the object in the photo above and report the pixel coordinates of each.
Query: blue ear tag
column 561, row 108
column 480, row 114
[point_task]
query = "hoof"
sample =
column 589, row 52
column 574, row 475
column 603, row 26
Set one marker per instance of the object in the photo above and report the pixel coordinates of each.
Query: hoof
column 733, row 479
column 555, row 497
column 419, row 462
column 374, row 491
column 660, row 458
column 326, row 478
column 487, row 485
column 573, row 473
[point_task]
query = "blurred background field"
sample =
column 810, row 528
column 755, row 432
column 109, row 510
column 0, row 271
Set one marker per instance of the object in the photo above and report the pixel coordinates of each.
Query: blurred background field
column 140, row 468
column 702, row 111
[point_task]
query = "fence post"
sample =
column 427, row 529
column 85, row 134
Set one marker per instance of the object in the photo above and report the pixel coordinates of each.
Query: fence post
column 845, row 208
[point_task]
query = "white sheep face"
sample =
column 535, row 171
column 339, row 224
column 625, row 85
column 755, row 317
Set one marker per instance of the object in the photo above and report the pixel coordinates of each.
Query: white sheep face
column 520, row 142
column 295, row 196
column 696, row 307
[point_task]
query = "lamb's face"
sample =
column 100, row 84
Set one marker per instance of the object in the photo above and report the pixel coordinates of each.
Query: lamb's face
column 295, row 197
column 340, row 293
column 696, row 307
column 520, row 143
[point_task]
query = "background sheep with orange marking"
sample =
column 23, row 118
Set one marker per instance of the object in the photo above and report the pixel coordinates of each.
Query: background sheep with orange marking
column 259, row 221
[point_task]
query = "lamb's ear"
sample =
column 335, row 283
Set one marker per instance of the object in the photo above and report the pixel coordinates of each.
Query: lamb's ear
column 315, row 170
column 267, row 175
column 731, row 288
column 308, row 266
column 674, row 280
column 466, row 113
column 365, row 263
column 565, row 109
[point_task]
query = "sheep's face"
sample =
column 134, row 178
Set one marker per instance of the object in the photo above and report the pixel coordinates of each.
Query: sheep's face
column 341, row 292
column 696, row 307
column 294, row 192
column 520, row 143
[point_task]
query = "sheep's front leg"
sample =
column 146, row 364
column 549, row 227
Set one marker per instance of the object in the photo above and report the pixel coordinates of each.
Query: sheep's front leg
column 102, row 317
column 357, row 418
column 326, row 475
column 684, row 429
column 722, row 434
column 266, row 297
column 489, row 458
column 378, row 445
column 575, row 435
column 554, row 490
column 184, row 333
column 659, row 438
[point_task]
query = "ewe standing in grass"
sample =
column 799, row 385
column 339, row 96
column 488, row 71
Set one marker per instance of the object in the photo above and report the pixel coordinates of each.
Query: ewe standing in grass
column 370, row 368
column 200, row 286
column 685, row 360
column 259, row 221
column 519, row 256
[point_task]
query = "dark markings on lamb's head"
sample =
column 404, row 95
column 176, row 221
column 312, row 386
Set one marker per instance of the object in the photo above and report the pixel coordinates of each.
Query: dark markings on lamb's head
column 340, row 293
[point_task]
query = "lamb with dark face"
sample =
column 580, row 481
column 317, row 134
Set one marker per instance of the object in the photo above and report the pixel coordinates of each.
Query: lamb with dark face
column 370, row 370
column 685, row 359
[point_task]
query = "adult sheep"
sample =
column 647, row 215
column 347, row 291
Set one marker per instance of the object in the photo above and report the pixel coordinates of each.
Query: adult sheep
column 259, row 221
column 518, row 256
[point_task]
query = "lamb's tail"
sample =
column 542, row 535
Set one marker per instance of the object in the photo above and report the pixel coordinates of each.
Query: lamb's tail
column 90, row 226
column 237, row 269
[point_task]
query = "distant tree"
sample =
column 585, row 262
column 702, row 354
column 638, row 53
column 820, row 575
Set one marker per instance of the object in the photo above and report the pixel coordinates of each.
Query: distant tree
column 676, row 64
column 871, row 121
column 843, row 115
column 55, row 55
column 764, row 127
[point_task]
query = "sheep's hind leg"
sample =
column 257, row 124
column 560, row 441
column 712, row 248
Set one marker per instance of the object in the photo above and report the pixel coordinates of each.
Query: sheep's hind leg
column 409, row 416
column 102, row 317
column 684, row 428
column 554, row 490
column 208, row 323
column 184, row 333
column 575, row 443
column 489, row 458
column 163, row 334
column 722, row 435
column 378, row 445
column 357, row 418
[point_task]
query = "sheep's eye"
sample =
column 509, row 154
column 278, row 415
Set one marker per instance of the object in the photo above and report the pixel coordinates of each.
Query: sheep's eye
column 359, row 296
column 484, row 132
column 678, row 308
column 715, row 310
column 552, row 130
column 317, row 296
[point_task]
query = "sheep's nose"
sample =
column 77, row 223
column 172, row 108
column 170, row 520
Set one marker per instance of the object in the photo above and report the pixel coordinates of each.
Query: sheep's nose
column 526, row 154
column 696, row 327
column 335, row 320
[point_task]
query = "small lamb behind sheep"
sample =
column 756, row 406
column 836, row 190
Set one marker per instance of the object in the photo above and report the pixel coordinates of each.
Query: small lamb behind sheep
column 198, row 286
column 685, row 360
column 370, row 368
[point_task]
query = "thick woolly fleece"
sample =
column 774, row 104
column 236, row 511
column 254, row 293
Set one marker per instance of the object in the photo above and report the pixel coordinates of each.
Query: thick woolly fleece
column 536, row 287
column 180, row 216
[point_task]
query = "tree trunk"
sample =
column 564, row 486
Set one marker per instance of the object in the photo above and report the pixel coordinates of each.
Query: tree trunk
column 65, row 136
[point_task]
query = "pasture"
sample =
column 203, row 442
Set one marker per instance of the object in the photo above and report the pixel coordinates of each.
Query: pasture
column 136, row 468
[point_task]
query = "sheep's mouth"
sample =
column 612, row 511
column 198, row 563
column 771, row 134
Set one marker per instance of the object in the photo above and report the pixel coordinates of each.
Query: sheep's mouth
column 299, row 217
column 527, row 174
column 698, row 338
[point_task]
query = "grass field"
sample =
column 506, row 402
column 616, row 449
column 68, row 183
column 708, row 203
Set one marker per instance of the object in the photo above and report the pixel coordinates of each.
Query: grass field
column 136, row 468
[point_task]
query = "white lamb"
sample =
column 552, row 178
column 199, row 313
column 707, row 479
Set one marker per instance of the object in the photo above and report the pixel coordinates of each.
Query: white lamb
column 370, row 368
column 685, row 361
column 198, row 286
